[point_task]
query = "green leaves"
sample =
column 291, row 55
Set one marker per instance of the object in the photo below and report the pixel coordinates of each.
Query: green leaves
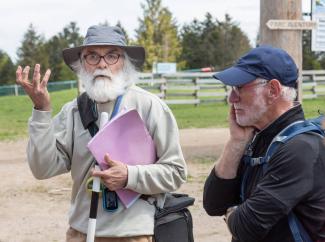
column 158, row 33
column 212, row 43
column 7, row 69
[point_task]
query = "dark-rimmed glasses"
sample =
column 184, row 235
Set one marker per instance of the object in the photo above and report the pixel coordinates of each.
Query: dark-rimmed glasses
column 94, row 58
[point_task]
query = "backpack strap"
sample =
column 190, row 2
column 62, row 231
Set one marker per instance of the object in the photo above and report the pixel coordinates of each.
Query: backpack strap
column 286, row 134
column 291, row 131
column 297, row 229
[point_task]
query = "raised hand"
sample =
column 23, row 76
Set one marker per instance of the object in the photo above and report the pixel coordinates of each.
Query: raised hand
column 36, row 89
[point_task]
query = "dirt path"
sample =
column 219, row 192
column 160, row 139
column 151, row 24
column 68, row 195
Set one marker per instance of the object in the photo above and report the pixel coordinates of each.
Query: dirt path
column 36, row 211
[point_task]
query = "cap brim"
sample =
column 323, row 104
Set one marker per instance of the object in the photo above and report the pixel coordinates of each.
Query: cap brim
column 136, row 53
column 234, row 76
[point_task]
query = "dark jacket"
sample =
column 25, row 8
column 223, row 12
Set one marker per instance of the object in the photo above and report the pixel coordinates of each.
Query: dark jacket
column 294, row 180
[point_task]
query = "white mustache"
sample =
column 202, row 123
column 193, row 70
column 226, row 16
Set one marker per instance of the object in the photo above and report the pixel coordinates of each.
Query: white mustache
column 102, row 73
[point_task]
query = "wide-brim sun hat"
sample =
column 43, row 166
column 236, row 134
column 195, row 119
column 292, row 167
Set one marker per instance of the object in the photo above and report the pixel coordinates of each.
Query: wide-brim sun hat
column 99, row 35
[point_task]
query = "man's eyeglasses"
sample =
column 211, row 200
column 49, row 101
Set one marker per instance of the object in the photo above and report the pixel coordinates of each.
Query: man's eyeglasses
column 238, row 89
column 94, row 58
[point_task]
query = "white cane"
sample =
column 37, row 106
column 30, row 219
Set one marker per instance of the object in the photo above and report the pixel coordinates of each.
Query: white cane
column 95, row 192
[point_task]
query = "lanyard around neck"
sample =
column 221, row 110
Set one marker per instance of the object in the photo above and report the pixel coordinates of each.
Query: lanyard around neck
column 116, row 106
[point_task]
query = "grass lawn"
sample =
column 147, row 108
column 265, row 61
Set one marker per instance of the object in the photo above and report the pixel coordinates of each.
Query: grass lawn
column 15, row 111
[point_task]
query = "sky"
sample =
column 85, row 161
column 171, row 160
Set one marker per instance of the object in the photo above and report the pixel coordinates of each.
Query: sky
column 49, row 17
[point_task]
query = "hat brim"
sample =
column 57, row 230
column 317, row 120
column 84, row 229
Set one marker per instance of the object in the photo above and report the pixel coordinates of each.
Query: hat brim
column 234, row 76
column 136, row 53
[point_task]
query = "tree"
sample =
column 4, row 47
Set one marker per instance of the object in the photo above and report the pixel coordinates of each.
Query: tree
column 71, row 36
column 232, row 42
column 32, row 49
column 7, row 69
column 191, row 43
column 310, row 59
column 212, row 43
column 158, row 32
column 68, row 38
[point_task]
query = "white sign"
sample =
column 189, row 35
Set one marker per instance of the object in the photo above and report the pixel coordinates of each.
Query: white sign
column 166, row 67
column 290, row 24
column 318, row 35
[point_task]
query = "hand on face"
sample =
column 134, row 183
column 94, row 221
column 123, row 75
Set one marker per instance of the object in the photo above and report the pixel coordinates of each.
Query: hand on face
column 115, row 177
column 36, row 90
column 239, row 134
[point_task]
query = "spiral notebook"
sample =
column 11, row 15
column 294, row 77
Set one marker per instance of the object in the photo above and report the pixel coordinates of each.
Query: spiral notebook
column 125, row 138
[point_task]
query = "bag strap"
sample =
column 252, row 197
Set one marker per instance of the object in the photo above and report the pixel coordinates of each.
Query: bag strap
column 174, row 202
column 297, row 229
column 291, row 131
column 89, row 114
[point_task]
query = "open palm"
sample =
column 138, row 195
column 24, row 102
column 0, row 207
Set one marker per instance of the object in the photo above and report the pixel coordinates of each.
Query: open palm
column 35, row 89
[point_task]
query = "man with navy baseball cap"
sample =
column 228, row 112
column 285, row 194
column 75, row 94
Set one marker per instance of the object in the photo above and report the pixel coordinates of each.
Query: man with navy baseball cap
column 282, row 200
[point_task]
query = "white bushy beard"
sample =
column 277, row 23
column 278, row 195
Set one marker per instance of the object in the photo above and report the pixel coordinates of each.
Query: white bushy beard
column 102, row 86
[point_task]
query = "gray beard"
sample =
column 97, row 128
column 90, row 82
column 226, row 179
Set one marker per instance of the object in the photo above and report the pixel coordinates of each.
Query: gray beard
column 102, row 86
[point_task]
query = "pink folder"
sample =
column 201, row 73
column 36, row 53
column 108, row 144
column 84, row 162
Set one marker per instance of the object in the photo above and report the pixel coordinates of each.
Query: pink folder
column 125, row 138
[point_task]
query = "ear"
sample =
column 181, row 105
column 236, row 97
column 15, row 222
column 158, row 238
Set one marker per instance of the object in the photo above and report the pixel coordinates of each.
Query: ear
column 275, row 88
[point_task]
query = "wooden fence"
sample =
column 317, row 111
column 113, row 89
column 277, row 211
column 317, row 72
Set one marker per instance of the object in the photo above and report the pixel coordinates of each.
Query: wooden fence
column 313, row 85
column 198, row 88
column 190, row 88
column 185, row 88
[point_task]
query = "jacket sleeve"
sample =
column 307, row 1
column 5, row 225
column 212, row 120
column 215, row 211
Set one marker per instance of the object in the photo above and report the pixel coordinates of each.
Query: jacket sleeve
column 286, row 182
column 220, row 194
column 49, row 146
column 169, row 171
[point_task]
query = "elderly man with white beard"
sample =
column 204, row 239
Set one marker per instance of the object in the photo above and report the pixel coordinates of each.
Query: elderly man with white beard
column 106, row 66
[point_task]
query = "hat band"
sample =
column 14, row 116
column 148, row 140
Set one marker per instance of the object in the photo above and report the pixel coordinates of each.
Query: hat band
column 98, row 41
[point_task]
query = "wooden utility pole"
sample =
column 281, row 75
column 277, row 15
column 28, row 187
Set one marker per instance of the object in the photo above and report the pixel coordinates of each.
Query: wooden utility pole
column 287, row 39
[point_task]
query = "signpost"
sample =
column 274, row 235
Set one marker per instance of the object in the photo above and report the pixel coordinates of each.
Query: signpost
column 285, row 24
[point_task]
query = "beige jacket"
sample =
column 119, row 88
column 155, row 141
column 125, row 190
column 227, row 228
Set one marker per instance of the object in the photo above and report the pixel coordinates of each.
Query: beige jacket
column 58, row 146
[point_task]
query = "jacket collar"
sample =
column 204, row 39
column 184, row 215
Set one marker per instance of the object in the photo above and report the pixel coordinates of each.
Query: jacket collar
column 265, row 136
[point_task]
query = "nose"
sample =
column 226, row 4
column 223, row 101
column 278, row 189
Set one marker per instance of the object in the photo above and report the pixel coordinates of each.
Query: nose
column 233, row 96
column 102, row 63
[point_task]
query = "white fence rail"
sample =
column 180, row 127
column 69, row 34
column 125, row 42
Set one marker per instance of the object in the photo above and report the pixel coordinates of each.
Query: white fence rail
column 189, row 88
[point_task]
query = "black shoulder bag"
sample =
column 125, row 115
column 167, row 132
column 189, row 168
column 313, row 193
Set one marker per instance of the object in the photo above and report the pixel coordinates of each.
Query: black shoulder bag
column 173, row 222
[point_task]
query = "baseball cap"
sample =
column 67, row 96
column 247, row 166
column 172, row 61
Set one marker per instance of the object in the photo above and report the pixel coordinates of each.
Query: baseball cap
column 266, row 62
